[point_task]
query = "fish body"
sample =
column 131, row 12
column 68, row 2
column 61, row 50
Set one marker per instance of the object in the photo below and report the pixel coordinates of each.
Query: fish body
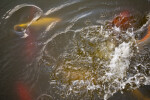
column 146, row 37
column 38, row 24
column 139, row 95
column 123, row 20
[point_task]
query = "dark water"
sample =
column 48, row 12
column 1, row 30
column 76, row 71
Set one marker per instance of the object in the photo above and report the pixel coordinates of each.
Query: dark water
column 30, row 61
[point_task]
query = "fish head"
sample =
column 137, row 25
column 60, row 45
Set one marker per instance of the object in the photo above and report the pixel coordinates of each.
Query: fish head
column 124, row 20
column 20, row 27
column 21, row 30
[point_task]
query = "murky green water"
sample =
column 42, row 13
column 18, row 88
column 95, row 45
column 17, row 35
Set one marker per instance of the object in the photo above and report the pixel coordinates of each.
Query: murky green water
column 76, row 56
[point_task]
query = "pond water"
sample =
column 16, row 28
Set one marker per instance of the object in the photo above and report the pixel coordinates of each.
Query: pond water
column 69, row 50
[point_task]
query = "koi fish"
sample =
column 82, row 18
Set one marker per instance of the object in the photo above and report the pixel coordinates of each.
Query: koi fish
column 139, row 95
column 23, row 91
column 146, row 36
column 122, row 20
column 41, row 22
column 37, row 25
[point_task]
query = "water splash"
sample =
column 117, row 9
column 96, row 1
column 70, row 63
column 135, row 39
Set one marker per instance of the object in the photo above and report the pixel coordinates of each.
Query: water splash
column 95, row 60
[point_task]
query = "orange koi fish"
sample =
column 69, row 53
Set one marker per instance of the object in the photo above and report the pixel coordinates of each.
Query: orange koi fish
column 123, row 20
column 146, row 36
column 139, row 95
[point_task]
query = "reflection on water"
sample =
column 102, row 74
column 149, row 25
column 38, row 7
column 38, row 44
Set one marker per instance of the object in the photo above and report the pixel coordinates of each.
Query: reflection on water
column 75, row 50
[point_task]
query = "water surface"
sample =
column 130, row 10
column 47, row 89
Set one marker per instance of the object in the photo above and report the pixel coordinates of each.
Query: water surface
column 76, row 58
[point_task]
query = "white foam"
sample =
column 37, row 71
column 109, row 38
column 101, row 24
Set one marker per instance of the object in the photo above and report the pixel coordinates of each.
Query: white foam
column 117, row 29
column 120, row 60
